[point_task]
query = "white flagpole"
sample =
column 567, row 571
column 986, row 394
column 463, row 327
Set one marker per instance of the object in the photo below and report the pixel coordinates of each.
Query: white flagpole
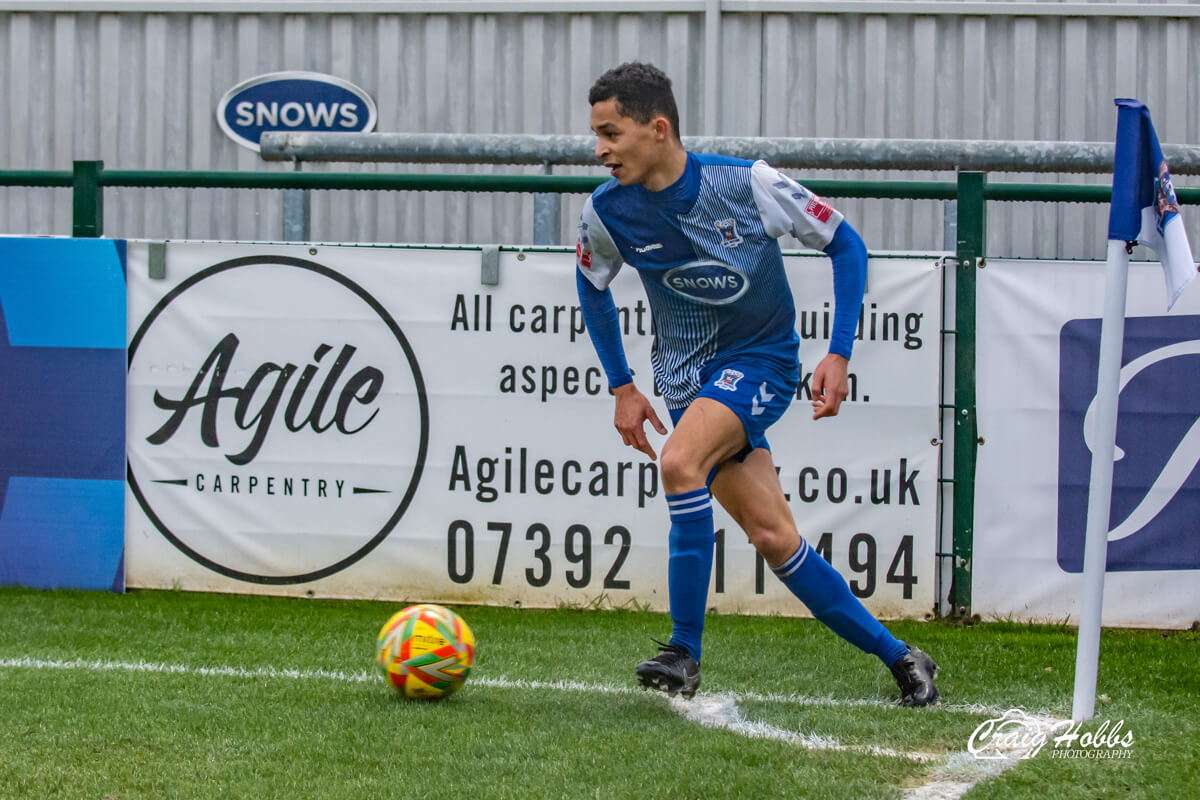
column 1095, row 552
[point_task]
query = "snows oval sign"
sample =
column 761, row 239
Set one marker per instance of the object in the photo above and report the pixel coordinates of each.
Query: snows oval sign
column 293, row 101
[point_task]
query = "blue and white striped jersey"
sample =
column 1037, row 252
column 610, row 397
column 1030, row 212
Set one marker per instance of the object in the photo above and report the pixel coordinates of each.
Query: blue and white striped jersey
column 705, row 249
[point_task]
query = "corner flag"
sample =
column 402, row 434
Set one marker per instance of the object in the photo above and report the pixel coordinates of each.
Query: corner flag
column 1144, row 209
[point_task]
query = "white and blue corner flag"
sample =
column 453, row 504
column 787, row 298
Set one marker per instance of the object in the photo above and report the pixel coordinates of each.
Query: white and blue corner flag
column 1144, row 207
column 1144, row 210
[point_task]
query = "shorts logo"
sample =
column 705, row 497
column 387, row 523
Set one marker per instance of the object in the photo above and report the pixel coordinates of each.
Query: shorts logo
column 1156, row 486
column 728, row 230
column 757, row 407
column 584, row 257
column 728, row 380
column 818, row 208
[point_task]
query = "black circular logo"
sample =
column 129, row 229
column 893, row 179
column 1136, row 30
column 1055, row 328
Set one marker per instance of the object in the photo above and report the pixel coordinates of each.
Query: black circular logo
column 279, row 420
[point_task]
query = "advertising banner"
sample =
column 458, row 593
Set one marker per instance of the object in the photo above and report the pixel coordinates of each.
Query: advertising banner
column 1037, row 357
column 62, row 413
column 375, row 422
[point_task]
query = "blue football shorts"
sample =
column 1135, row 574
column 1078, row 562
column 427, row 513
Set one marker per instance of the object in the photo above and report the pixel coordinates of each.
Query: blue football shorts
column 756, row 390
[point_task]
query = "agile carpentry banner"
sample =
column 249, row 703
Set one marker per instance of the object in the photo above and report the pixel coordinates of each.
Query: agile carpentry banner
column 375, row 422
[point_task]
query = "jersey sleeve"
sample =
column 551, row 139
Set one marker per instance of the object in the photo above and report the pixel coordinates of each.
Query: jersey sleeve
column 787, row 207
column 596, row 255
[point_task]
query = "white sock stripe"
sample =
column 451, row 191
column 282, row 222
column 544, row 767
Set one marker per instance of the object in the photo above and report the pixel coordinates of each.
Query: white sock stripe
column 675, row 498
column 693, row 504
column 792, row 564
column 798, row 554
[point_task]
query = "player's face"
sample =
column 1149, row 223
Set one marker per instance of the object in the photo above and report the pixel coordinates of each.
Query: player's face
column 628, row 148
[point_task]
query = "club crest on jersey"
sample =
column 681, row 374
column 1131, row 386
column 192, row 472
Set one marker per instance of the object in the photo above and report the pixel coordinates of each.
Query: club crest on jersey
column 728, row 380
column 710, row 282
column 728, row 230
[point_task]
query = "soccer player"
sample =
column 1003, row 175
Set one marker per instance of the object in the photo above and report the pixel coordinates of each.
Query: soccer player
column 701, row 232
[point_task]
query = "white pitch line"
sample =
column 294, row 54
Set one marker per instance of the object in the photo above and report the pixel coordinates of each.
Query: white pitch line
column 477, row 680
column 958, row 773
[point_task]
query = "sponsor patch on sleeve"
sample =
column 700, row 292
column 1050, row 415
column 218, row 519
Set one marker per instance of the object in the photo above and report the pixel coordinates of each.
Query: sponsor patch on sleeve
column 818, row 208
column 584, row 257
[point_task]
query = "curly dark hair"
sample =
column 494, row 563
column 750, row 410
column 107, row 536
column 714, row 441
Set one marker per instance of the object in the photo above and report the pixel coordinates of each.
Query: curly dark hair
column 642, row 92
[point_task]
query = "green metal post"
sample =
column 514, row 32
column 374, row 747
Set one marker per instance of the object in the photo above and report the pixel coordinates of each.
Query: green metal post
column 87, row 202
column 972, row 234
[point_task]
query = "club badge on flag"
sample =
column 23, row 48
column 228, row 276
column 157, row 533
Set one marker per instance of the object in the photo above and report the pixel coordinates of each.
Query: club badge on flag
column 1144, row 207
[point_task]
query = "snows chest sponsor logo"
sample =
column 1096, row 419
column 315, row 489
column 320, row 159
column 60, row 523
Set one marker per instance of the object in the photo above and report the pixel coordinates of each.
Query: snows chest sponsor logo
column 650, row 247
column 278, row 419
column 1156, row 486
column 708, row 282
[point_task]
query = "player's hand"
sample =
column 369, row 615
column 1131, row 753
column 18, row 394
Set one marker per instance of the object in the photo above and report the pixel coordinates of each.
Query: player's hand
column 830, row 386
column 633, row 409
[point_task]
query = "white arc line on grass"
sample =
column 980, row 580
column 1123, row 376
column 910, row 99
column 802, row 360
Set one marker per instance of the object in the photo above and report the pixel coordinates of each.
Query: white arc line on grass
column 721, row 711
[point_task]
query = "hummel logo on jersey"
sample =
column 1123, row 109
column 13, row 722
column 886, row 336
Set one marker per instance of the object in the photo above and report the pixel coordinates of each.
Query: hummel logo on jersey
column 729, row 380
column 757, row 408
column 649, row 247
column 729, row 234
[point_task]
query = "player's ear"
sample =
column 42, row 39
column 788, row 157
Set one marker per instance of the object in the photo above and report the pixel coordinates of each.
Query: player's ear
column 662, row 129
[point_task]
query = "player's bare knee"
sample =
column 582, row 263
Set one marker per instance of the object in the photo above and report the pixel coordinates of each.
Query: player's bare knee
column 680, row 472
column 775, row 543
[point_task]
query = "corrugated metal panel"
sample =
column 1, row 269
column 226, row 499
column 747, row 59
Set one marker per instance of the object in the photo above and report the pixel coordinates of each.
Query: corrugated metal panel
column 139, row 90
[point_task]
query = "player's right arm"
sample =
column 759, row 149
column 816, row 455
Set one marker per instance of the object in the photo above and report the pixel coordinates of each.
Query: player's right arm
column 597, row 263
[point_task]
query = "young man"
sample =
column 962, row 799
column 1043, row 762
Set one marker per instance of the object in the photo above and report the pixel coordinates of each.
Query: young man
column 701, row 231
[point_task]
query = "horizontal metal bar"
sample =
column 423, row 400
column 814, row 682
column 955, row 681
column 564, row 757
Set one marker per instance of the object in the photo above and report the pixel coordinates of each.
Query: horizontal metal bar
column 840, row 7
column 352, row 181
column 962, row 8
column 939, row 155
column 353, row 6
column 568, row 184
column 911, row 190
column 36, row 177
column 1068, row 193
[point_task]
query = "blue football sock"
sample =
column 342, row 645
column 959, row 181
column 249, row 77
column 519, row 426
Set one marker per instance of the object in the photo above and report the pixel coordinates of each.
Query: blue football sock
column 820, row 587
column 689, row 565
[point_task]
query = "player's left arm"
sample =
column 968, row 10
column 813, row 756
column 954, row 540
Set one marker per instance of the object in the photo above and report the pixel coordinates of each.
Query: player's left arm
column 831, row 383
column 787, row 207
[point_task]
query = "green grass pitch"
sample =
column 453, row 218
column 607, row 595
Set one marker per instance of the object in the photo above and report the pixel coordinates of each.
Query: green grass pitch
column 180, row 695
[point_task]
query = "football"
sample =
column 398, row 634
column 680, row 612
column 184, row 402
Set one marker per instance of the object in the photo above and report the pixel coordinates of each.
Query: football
column 425, row 651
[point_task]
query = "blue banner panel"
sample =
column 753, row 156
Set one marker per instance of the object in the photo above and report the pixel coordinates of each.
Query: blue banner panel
column 62, row 413
column 1154, row 519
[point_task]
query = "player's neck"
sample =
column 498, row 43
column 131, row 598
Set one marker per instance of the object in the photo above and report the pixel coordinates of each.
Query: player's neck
column 669, row 169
